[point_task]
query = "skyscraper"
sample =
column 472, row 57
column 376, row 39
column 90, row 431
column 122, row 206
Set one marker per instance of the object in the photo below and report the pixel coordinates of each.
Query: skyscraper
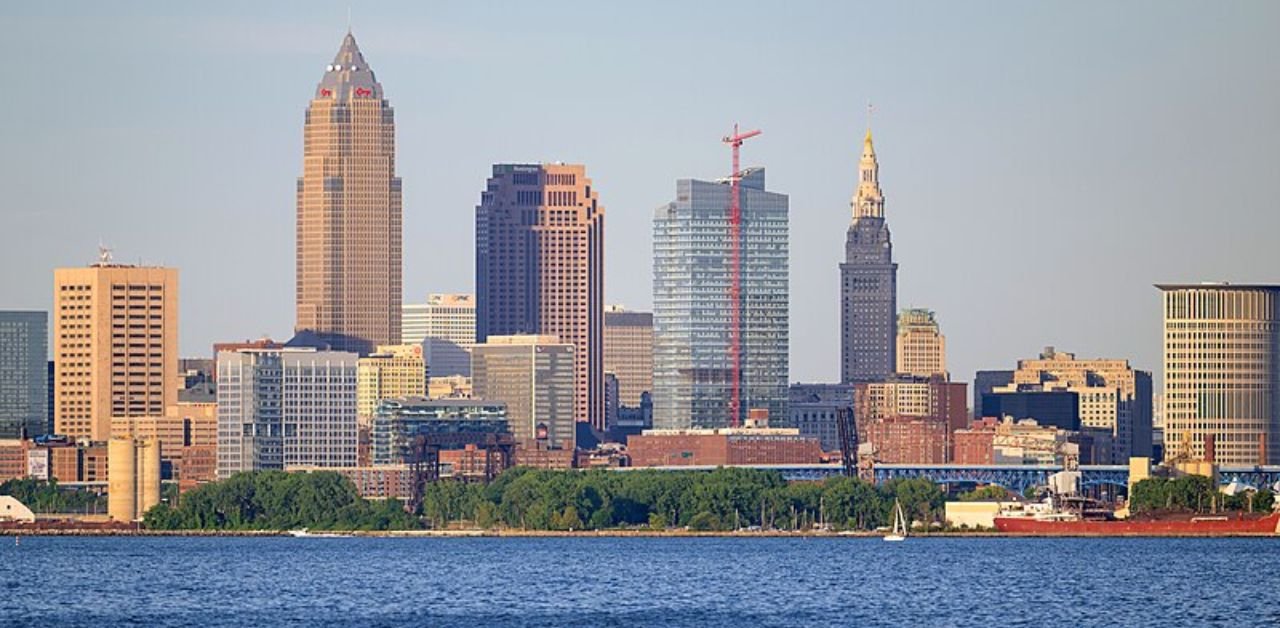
column 540, row 267
column 349, row 211
column 1222, row 372
column 868, row 282
column 24, row 349
column 921, row 347
column 628, row 352
column 445, row 326
column 534, row 376
column 115, row 345
column 285, row 407
column 692, row 369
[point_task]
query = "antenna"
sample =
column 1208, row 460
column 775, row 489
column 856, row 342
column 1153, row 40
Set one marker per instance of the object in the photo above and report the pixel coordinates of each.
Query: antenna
column 871, row 109
column 348, row 19
column 104, row 254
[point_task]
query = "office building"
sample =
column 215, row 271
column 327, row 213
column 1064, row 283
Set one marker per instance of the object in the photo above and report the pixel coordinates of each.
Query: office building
column 814, row 409
column 1222, row 372
column 928, row 398
column 115, row 345
column 540, row 267
column 1051, row 408
column 445, row 326
column 397, row 421
column 188, row 436
column 1114, row 397
column 628, row 352
column 985, row 382
column 921, row 347
column 390, row 371
column 349, row 211
column 908, row 440
column 24, row 352
column 286, row 407
column 722, row 446
column 534, row 377
column 868, row 282
column 694, row 366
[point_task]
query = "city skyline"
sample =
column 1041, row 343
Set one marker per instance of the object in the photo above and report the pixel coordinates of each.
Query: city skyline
column 1138, row 149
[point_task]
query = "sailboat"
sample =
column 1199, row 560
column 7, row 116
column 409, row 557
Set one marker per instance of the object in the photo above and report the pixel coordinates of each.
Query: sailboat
column 899, row 532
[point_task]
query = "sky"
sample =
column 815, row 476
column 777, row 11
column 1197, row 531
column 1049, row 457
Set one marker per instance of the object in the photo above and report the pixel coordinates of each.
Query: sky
column 1043, row 163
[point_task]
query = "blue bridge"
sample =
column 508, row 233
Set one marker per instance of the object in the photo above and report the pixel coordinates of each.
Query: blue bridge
column 1013, row 477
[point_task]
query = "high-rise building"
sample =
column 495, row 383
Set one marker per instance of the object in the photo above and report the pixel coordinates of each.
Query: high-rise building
column 534, row 377
column 692, row 360
column 1222, row 372
column 115, row 345
column 931, row 398
column 540, row 267
column 288, row 407
column 390, row 371
column 868, row 282
column 628, row 352
column 24, row 351
column 921, row 347
column 1113, row 396
column 349, row 211
column 445, row 326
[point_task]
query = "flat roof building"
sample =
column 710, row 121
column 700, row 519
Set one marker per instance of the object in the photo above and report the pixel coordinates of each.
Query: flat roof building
column 24, row 354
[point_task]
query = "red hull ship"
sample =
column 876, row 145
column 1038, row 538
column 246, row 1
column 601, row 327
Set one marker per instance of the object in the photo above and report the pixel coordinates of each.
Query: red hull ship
column 1198, row 525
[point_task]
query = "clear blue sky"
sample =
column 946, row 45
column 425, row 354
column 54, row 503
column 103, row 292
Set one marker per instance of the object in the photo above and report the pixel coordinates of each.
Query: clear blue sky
column 1043, row 164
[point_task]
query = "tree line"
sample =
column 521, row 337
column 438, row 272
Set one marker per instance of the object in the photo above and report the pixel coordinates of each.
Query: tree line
column 47, row 497
column 722, row 499
column 1193, row 493
column 275, row 500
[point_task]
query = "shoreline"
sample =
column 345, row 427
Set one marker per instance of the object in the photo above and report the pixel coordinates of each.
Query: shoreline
column 511, row 533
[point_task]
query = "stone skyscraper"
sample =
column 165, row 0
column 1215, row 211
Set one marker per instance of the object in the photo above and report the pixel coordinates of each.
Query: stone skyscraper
column 540, row 267
column 349, row 211
column 868, row 283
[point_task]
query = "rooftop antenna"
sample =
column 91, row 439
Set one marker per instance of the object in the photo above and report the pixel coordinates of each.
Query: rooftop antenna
column 870, row 110
column 348, row 19
column 104, row 254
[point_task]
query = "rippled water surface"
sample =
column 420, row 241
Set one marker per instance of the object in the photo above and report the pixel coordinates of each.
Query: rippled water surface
column 702, row 582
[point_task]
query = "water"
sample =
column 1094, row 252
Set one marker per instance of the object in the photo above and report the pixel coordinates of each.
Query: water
column 702, row 582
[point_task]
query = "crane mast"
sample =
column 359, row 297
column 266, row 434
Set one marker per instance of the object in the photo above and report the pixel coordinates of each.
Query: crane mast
column 735, row 142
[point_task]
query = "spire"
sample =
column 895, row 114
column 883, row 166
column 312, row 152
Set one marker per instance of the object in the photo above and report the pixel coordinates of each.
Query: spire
column 868, row 200
column 349, row 76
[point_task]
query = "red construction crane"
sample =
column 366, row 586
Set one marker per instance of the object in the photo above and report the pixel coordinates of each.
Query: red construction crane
column 735, row 274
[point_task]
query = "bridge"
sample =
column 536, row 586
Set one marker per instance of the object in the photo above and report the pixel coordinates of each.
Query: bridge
column 1013, row 477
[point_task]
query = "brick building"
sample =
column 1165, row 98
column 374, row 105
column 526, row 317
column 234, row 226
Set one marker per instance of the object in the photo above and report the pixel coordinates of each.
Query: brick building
column 716, row 447
column 908, row 440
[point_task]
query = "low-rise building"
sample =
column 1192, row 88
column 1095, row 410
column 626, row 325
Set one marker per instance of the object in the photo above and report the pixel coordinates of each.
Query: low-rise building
column 723, row 446
column 908, row 440
column 814, row 407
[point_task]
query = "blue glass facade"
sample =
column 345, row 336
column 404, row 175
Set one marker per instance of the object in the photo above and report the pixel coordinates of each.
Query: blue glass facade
column 692, row 376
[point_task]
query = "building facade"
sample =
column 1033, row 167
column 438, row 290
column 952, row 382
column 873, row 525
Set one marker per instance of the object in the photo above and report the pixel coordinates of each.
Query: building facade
column 540, row 267
column 286, row 407
column 390, row 371
column 445, row 326
column 349, row 233
column 720, row 447
column 188, row 436
column 628, row 352
column 921, row 347
column 908, row 440
column 534, row 377
column 1114, row 397
column 931, row 398
column 814, row 408
column 1222, row 372
column 397, row 421
column 24, row 352
column 868, row 282
column 115, row 345
column 693, row 367
column 985, row 382
column 1050, row 408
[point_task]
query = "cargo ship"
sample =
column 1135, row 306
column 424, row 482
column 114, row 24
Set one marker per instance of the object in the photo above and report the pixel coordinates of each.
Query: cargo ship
column 1050, row 519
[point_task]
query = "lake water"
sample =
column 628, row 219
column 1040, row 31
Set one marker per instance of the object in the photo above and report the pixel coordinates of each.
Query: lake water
column 702, row 582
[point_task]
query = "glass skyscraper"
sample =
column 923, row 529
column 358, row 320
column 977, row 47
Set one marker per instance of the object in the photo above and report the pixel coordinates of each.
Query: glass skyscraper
column 24, row 351
column 692, row 373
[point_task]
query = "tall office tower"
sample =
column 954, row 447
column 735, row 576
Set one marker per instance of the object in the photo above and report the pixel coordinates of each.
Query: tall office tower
column 285, row 407
column 1222, row 372
column 540, row 267
column 868, row 282
column 921, row 347
column 390, row 371
column 115, row 345
column 534, row 376
column 349, row 211
column 445, row 326
column 628, row 352
column 24, row 350
column 692, row 369
column 1113, row 396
